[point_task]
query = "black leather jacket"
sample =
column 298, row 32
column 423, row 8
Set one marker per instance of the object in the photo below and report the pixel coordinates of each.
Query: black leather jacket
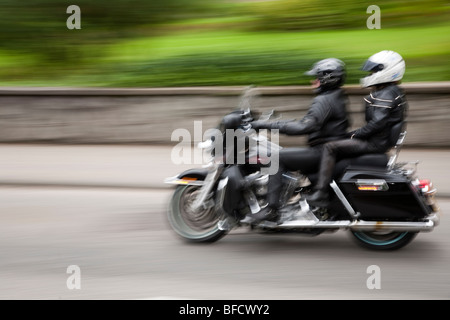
column 384, row 108
column 326, row 119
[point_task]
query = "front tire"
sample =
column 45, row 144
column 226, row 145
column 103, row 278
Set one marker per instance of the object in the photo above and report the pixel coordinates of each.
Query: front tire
column 375, row 240
column 192, row 226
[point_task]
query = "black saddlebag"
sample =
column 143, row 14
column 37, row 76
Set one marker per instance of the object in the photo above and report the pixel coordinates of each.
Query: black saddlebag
column 381, row 195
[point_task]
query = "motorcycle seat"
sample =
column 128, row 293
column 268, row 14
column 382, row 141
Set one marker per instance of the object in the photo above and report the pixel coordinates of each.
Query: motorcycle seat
column 369, row 160
column 373, row 160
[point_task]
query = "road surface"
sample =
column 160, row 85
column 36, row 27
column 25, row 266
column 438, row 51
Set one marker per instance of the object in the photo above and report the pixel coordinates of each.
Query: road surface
column 59, row 241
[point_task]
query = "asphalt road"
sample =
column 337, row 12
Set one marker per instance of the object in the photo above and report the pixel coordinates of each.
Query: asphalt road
column 120, row 246
column 124, row 249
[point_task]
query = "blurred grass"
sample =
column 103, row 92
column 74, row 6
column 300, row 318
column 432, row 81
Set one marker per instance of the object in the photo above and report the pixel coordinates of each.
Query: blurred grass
column 232, row 50
column 272, row 58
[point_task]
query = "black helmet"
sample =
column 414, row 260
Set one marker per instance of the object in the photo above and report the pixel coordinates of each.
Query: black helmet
column 330, row 73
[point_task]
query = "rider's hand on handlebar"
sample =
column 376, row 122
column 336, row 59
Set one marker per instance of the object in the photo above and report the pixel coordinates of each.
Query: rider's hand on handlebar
column 260, row 125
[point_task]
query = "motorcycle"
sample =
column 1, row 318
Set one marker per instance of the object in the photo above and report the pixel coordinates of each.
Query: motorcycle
column 379, row 200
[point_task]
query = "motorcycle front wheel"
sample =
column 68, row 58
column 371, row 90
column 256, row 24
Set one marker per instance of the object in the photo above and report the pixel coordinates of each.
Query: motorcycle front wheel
column 192, row 225
column 377, row 240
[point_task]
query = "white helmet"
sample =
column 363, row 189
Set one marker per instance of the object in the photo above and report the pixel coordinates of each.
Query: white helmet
column 386, row 66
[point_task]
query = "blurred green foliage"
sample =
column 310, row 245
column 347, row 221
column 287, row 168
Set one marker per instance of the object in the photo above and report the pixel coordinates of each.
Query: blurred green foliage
column 345, row 14
column 39, row 26
column 216, row 42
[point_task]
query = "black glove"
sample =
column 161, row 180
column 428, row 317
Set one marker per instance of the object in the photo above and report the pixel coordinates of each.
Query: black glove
column 260, row 125
column 280, row 125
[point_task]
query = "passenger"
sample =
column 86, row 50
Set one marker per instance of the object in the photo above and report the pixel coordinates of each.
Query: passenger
column 385, row 107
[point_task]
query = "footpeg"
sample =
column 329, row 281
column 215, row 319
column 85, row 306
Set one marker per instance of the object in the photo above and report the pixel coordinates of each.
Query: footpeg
column 303, row 217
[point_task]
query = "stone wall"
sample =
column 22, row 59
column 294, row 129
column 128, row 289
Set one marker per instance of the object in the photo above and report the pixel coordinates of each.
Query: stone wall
column 149, row 116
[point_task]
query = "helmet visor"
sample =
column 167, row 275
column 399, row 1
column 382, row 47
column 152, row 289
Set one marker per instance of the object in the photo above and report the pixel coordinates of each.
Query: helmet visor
column 372, row 66
column 312, row 72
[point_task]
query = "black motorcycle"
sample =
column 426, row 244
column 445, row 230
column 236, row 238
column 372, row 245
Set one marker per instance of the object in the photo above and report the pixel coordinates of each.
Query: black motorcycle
column 380, row 201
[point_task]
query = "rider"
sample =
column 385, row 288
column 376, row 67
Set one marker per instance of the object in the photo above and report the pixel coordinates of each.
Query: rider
column 326, row 120
column 385, row 106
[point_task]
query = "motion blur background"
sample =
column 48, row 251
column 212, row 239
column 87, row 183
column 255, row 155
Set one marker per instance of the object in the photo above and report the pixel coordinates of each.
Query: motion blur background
column 159, row 46
column 86, row 117
column 160, row 43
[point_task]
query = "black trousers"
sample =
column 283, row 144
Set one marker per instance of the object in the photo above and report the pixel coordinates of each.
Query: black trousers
column 320, row 159
column 336, row 150
column 304, row 159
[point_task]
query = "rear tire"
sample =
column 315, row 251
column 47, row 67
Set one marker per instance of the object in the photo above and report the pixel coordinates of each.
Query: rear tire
column 201, row 226
column 375, row 240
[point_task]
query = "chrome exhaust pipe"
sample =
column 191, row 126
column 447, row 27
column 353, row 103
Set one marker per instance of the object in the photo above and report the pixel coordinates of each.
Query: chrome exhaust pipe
column 420, row 226
column 363, row 225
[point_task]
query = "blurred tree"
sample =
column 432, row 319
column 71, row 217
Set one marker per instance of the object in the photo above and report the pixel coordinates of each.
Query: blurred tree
column 36, row 44
column 39, row 26
column 344, row 14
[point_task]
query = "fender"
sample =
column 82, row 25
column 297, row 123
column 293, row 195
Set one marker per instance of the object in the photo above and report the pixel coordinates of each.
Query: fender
column 193, row 177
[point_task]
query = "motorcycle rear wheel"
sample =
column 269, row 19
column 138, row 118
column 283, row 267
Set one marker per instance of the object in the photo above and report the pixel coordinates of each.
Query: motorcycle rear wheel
column 376, row 240
column 193, row 226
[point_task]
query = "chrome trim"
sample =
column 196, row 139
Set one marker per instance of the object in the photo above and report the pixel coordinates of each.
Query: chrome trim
column 179, row 181
column 392, row 226
column 344, row 200
column 315, row 224
column 393, row 159
column 373, row 182
column 206, row 188
column 362, row 225
column 252, row 201
column 220, row 194
column 435, row 218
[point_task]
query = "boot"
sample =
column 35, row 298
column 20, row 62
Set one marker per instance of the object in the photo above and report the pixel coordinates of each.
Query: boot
column 266, row 213
column 318, row 198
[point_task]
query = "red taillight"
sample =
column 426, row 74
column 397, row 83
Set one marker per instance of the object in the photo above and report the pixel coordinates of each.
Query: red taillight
column 370, row 188
column 425, row 185
column 429, row 192
column 372, row 185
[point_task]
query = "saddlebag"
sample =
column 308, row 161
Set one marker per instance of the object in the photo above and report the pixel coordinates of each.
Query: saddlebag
column 379, row 194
